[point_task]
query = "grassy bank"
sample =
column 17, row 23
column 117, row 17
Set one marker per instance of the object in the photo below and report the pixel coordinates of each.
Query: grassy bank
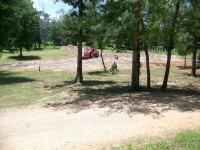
column 185, row 140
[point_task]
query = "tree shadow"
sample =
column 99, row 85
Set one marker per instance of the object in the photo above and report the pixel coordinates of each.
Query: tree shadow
column 85, row 84
column 99, row 73
column 9, row 78
column 25, row 58
column 187, row 67
column 119, row 99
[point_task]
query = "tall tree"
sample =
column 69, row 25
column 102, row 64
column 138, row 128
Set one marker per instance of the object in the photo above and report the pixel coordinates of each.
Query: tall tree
column 44, row 30
column 78, row 4
column 147, row 54
column 135, row 78
column 28, row 22
column 80, row 11
column 9, row 25
column 192, row 26
column 170, row 43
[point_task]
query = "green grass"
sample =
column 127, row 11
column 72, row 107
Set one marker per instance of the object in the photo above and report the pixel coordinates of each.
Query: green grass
column 29, row 87
column 24, row 88
column 45, row 54
column 184, row 140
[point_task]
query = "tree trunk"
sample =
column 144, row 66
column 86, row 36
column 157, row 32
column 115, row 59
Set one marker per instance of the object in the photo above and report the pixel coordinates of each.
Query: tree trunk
column 79, row 75
column 103, row 63
column 39, row 45
column 136, row 54
column 185, row 61
column 1, row 49
column 35, row 45
column 20, row 52
column 165, row 81
column 194, row 57
column 171, row 45
column 147, row 56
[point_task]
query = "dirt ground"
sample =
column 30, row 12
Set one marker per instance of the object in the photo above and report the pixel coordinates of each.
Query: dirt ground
column 69, row 64
column 37, row 127
column 61, row 126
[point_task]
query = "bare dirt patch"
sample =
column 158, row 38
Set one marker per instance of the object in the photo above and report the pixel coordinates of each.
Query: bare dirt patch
column 69, row 64
column 94, row 122
column 46, row 128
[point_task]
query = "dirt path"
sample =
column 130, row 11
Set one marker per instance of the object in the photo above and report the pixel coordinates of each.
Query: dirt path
column 37, row 127
column 69, row 64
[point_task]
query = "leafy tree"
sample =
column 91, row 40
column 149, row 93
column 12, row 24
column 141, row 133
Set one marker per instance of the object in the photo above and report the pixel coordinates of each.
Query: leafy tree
column 19, row 24
column 56, row 32
column 80, row 11
column 79, row 5
column 170, row 31
column 28, row 26
column 184, row 45
column 192, row 26
column 8, row 21
column 44, row 29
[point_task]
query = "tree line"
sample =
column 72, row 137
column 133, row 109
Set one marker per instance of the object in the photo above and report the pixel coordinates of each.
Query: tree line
column 22, row 26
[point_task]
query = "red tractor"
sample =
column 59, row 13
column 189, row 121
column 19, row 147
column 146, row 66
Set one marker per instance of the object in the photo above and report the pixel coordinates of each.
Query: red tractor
column 93, row 53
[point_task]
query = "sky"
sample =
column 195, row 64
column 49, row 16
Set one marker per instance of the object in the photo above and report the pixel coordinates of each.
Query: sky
column 50, row 7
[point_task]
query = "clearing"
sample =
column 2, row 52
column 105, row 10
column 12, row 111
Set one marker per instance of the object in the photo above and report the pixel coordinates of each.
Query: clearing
column 99, row 114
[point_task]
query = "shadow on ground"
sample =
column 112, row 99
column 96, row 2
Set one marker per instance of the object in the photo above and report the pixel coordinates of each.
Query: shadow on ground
column 11, row 78
column 98, row 73
column 25, row 58
column 118, row 98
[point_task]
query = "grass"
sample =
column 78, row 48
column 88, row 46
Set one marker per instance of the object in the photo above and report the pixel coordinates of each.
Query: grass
column 45, row 54
column 184, row 140
column 24, row 88
column 28, row 87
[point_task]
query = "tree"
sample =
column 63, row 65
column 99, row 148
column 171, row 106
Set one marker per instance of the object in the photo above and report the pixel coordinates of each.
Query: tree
column 170, row 42
column 136, row 51
column 147, row 54
column 8, row 21
column 192, row 26
column 19, row 25
column 44, row 29
column 55, row 28
column 78, row 4
column 80, row 11
column 183, row 44
column 28, row 22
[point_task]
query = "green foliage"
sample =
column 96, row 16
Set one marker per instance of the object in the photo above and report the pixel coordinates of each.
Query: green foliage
column 56, row 33
column 19, row 24
column 184, row 44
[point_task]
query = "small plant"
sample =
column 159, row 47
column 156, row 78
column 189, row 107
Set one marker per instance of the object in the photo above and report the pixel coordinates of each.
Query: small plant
column 114, row 69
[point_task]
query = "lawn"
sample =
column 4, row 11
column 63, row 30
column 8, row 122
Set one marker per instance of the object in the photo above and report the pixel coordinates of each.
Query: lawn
column 48, row 53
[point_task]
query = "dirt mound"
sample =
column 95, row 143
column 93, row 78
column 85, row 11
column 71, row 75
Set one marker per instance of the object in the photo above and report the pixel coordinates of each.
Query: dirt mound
column 73, row 48
column 69, row 48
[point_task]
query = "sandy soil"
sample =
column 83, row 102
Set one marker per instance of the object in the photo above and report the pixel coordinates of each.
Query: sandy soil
column 69, row 64
column 37, row 127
